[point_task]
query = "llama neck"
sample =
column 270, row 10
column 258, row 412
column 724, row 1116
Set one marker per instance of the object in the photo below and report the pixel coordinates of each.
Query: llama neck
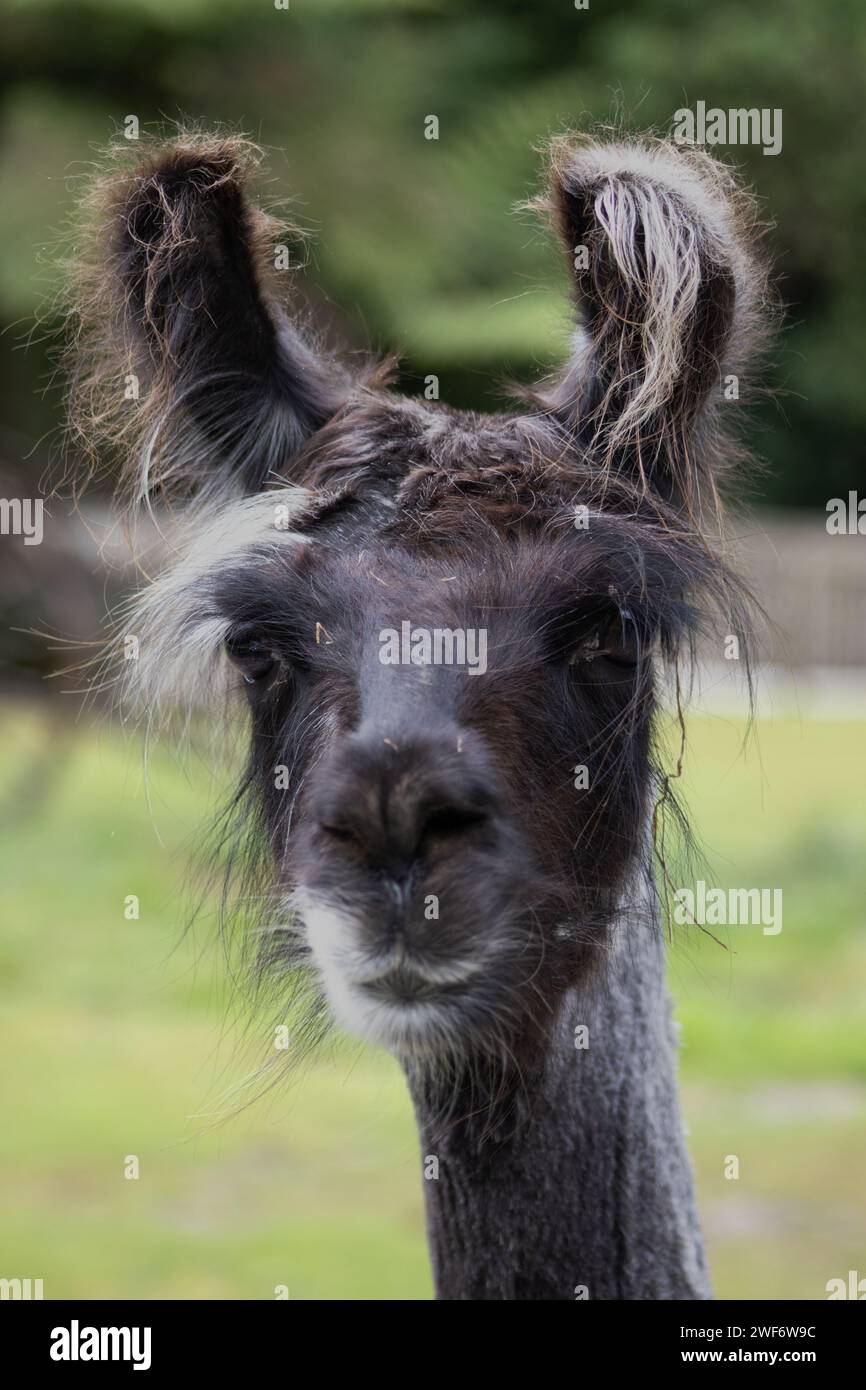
column 585, row 1188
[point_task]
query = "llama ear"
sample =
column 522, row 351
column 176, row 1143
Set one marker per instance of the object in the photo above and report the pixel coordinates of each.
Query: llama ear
column 671, row 295
column 183, row 361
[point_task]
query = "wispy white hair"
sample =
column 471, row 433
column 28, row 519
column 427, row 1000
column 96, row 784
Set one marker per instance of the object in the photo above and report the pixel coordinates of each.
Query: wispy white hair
column 177, row 660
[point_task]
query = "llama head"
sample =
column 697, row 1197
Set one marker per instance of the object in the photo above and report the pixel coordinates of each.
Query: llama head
column 445, row 628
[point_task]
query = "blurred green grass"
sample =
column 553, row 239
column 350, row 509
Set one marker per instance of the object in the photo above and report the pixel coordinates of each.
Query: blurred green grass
column 119, row 1040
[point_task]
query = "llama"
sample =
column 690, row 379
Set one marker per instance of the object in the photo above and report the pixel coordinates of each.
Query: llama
column 460, row 862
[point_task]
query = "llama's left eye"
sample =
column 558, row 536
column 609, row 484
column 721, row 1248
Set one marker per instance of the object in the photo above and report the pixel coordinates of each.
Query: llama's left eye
column 249, row 649
column 615, row 639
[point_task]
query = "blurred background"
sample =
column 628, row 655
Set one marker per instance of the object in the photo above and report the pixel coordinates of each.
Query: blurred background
column 118, row 1036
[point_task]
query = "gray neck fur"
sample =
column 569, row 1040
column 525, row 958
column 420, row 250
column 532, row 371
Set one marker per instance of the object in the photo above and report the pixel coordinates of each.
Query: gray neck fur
column 587, row 1185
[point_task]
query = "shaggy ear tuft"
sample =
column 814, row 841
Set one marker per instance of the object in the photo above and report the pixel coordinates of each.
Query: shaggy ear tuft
column 184, row 365
column 673, row 301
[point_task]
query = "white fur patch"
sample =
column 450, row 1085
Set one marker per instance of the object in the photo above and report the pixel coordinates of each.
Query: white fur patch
column 332, row 934
column 178, row 656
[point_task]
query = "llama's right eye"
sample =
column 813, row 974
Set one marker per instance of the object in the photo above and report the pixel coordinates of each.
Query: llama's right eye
column 249, row 649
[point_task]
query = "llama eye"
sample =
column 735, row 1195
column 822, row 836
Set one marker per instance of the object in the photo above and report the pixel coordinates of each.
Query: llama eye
column 252, row 653
column 615, row 639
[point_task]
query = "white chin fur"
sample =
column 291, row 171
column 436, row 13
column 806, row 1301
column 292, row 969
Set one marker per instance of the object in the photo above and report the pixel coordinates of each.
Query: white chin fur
column 331, row 934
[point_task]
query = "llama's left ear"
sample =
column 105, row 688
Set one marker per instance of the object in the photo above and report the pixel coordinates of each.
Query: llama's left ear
column 185, row 364
column 671, row 297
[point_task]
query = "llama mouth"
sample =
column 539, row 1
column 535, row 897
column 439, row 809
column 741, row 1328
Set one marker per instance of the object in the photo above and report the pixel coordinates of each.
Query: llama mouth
column 403, row 985
column 401, row 1004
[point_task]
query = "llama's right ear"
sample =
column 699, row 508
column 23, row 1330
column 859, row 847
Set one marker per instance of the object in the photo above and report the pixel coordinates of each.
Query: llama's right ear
column 672, row 297
column 184, row 364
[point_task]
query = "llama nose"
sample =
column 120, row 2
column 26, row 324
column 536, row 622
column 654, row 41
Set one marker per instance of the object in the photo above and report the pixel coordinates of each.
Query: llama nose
column 396, row 800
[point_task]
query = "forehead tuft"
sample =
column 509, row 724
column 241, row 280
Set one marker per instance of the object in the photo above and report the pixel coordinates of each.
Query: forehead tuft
column 430, row 475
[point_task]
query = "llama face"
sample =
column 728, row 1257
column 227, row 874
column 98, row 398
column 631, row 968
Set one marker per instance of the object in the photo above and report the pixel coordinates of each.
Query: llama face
column 436, row 811
column 450, row 709
column 444, row 625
